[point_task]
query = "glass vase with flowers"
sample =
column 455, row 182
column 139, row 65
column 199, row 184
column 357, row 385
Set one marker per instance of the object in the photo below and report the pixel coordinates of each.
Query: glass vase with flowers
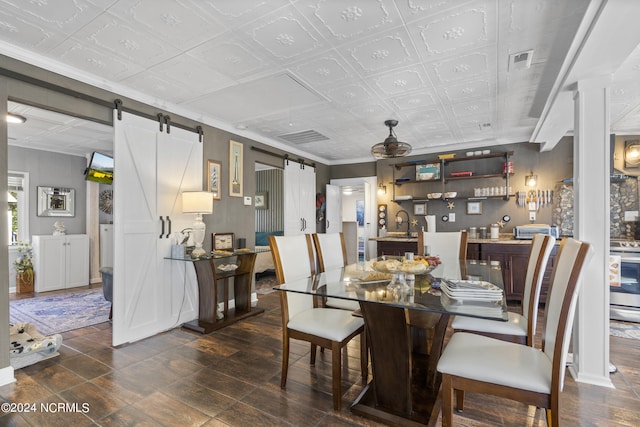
column 24, row 268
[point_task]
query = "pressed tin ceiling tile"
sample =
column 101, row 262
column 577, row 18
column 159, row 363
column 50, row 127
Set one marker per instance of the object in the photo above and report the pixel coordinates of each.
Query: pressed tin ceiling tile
column 336, row 67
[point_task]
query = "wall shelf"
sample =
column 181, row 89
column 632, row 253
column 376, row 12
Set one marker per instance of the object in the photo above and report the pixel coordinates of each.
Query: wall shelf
column 443, row 179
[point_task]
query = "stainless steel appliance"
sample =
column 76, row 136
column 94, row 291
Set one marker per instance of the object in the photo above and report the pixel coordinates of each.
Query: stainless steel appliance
column 625, row 294
column 527, row 231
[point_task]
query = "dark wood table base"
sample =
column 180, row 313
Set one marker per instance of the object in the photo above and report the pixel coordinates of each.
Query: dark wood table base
column 405, row 385
column 207, row 327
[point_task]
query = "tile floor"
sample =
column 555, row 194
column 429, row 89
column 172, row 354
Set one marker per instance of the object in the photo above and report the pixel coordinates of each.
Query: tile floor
column 231, row 378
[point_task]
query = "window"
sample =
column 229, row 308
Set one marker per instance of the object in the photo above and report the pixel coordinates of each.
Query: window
column 18, row 211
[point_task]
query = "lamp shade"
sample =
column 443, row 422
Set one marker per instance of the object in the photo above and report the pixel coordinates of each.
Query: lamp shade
column 197, row 202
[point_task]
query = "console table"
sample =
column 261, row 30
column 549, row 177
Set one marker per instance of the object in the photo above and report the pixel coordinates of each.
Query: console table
column 212, row 274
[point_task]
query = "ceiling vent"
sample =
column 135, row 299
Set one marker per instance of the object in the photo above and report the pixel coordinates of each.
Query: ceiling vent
column 520, row 60
column 303, row 137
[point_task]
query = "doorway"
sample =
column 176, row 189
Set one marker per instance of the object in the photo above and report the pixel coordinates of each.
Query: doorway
column 357, row 205
column 50, row 148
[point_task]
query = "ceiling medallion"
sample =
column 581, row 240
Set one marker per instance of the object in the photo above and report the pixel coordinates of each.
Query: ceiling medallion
column 391, row 147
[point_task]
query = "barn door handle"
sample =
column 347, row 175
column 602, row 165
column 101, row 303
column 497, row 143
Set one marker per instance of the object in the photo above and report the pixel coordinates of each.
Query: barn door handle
column 328, row 224
column 301, row 224
column 169, row 221
column 162, row 233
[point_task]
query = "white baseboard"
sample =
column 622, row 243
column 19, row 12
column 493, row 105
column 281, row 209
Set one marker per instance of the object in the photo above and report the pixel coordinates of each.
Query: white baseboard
column 6, row 376
column 232, row 302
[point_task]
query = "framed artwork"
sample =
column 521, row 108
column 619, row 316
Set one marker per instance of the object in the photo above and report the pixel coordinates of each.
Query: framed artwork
column 222, row 241
column 262, row 200
column 213, row 182
column 474, row 208
column 235, row 169
column 419, row 208
column 53, row 201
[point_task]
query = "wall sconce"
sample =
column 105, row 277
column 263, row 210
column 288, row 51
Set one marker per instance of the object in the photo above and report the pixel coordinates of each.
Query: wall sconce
column 632, row 154
column 382, row 189
column 531, row 180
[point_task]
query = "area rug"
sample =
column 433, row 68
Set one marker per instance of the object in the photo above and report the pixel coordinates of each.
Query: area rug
column 62, row 312
column 624, row 329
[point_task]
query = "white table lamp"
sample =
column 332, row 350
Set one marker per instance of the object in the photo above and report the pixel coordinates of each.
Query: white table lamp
column 199, row 203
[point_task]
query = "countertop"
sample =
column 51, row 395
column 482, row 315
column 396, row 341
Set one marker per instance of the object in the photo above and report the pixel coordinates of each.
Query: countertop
column 504, row 239
column 394, row 239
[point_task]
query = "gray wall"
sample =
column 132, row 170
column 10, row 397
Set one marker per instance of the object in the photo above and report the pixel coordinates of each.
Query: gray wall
column 47, row 169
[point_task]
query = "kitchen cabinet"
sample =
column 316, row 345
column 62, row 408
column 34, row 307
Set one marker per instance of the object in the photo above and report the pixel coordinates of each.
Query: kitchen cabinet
column 299, row 198
column 60, row 262
column 396, row 247
column 480, row 167
column 514, row 258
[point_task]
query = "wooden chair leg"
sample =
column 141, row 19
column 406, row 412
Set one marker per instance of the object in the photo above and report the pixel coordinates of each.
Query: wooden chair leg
column 336, row 378
column 285, row 361
column 447, row 401
column 364, row 356
column 553, row 413
column 459, row 400
column 313, row 354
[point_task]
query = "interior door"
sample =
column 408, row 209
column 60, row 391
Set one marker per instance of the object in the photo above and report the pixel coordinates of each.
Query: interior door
column 137, row 298
column 180, row 169
column 308, row 198
column 151, row 171
column 291, row 181
column 334, row 209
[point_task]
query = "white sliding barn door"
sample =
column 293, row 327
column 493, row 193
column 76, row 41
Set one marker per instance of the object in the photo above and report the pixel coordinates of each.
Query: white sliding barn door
column 334, row 209
column 151, row 170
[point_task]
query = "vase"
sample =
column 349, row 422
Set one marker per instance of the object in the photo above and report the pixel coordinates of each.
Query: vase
column 24, row 282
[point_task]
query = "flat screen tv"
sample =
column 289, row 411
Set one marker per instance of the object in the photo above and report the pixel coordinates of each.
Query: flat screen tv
column 100, row 168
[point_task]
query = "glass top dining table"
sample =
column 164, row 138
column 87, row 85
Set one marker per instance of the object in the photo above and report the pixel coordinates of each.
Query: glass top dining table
column 423, row 292
column 400, row 310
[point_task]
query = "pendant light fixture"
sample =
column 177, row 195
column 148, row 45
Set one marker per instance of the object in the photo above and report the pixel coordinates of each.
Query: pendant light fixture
column 391, row 147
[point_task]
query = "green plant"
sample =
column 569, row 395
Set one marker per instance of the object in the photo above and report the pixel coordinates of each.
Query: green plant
column 24, row 262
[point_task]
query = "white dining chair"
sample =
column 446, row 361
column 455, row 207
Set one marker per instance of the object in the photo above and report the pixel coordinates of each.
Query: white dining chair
column 449, row 246
column 476, row 363
column 330, row 328
column 519, row 327
column 332, row 254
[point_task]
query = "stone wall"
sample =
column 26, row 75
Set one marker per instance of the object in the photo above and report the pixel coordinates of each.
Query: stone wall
column 624, row 197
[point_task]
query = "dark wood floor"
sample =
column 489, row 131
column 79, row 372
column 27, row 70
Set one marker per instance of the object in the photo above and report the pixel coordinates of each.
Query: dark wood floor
column 231, row 378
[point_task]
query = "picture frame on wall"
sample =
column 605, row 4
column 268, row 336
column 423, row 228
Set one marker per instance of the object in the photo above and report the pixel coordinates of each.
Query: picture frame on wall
column 419, row 208
column 474, row 208
column 235, row 168
column 262, row 200
column 214, row 170
column 54, row 201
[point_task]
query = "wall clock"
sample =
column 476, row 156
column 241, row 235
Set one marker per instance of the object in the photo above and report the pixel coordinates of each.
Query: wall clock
column 105, row 202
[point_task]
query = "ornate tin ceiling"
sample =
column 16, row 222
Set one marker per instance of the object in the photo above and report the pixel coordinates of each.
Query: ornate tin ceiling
column 330, row 70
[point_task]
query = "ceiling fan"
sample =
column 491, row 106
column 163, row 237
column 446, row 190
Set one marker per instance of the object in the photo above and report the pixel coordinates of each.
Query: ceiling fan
column 391, row 147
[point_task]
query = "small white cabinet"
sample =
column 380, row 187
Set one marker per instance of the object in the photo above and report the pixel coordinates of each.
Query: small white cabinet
column 60, row 262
